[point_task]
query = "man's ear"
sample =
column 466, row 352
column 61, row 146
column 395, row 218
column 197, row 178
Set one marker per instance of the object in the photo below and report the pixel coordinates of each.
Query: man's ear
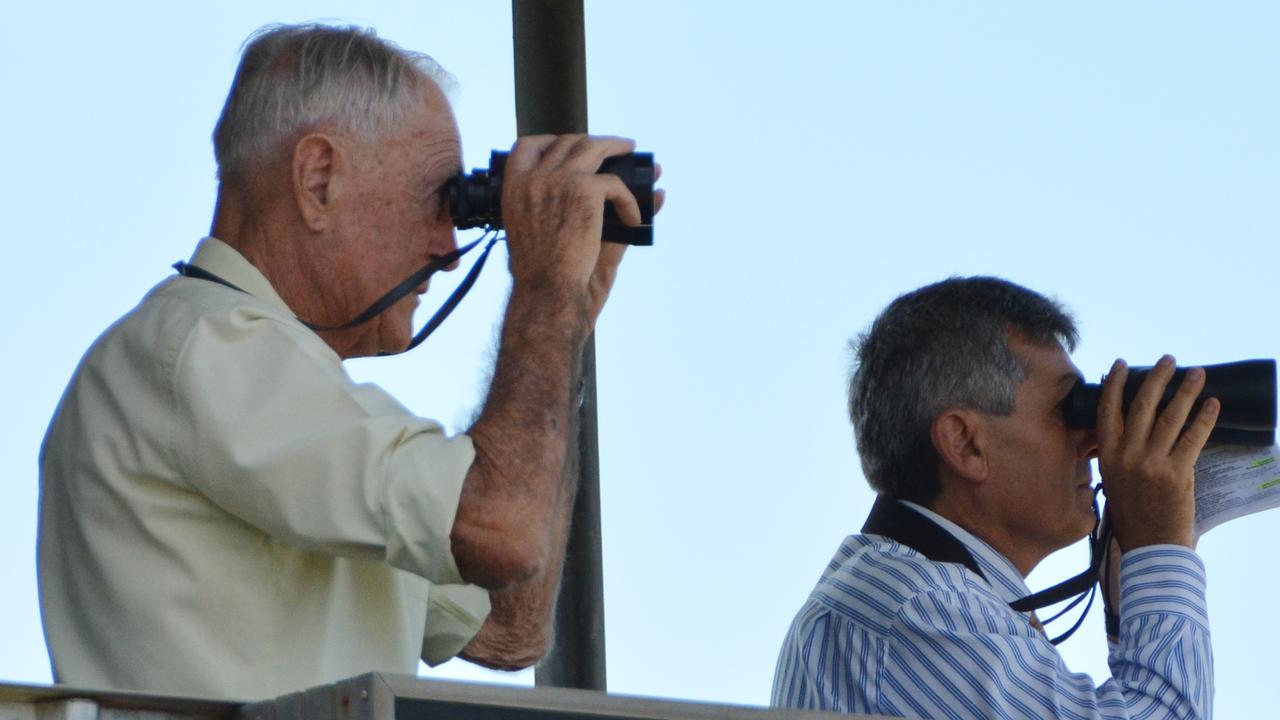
column 314, row 169
column 959, row 437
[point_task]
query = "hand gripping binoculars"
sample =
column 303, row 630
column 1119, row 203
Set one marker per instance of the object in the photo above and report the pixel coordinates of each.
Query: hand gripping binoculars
column 475, row 199
column 1246, row 389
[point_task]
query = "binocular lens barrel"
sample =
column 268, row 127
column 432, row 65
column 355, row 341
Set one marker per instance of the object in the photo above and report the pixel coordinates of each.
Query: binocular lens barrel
column 1246, row 390
column 475, row 200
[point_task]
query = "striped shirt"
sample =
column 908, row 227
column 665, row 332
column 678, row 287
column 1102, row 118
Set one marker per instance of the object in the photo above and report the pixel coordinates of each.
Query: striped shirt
column 887, row 631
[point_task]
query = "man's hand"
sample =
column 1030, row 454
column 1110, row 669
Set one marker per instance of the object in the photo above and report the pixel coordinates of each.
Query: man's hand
column 1147, row 461
column 553, row 207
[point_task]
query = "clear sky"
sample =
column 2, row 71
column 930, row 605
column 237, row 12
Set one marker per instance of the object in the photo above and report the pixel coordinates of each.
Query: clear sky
column 820, row 158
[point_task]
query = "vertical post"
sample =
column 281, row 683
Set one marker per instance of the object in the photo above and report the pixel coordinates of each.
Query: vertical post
column 551, row 97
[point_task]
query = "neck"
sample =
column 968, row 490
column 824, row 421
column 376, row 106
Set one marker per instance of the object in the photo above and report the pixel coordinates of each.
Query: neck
column 984, row 522
column 283, row 251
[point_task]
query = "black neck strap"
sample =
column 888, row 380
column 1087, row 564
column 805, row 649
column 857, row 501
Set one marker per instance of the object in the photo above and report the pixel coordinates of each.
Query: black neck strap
column 391, row 296
column 199, row 273
column 455, row 297
column 904, row 525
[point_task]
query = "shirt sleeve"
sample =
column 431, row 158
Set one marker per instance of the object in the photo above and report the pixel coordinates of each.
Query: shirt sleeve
column 964, row 654
column 454, row 616
column 271, row 428
column 1164, row 658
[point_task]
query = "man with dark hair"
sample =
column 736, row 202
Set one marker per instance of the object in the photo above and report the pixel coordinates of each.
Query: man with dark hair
column 224, row 513
column 957, row 407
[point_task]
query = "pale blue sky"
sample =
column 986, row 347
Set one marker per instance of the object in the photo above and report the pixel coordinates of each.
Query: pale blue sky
column 820, row 158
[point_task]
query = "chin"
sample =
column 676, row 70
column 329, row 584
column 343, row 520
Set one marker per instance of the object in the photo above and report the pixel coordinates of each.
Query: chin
column 1087, row 522
column 396, row 339
column 393, row 347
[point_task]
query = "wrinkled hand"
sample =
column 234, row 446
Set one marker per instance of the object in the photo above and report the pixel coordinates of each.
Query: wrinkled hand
column 1147, row 461
column 553, row 209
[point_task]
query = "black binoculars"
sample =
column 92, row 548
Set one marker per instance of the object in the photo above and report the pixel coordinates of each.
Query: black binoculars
column 1246, row 390
column 476, row 199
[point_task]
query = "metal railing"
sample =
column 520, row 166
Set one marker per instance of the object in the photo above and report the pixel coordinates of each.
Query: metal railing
column 376, row 696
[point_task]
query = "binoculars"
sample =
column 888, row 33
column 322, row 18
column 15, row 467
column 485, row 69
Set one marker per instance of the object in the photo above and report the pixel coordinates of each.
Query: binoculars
column 1246, row 390
column 475, row 199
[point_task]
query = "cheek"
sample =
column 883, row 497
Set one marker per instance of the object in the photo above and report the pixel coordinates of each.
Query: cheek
column 1058, row 446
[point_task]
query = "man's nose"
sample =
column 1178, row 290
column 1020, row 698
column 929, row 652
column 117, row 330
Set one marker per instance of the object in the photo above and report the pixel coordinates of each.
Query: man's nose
column 442, row 244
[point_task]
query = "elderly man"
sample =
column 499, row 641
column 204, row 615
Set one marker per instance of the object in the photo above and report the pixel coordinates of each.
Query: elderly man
column 223, row 512
column 957, row 406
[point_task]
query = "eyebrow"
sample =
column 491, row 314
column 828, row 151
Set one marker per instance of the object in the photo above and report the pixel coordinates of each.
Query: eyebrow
column 1068, row 381
column 439, row 173
column 436, row 181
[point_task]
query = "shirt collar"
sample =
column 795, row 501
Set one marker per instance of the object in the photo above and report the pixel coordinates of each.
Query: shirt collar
column 219, row 258
column 1001, row 574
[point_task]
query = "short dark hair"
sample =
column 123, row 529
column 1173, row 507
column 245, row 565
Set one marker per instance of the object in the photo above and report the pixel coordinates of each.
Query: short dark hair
column 944, row 345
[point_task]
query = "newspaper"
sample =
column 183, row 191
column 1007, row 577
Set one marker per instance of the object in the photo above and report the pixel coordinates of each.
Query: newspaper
column 1233, row 481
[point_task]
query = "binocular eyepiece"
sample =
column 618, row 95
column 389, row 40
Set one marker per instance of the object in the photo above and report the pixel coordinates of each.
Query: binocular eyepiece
column 1246, row 390
column 475, row 199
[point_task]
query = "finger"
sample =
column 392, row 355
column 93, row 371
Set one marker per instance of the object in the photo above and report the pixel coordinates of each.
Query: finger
column 1193, row 440
column 589, row 156
column 1142, row 411
column 610, row 255
column 657, row 172
column 564, row 147
column 1174, row 417
column 659, row 199
column 624, row 203
column 603, row 276
column 527, row 151
column 1110, row 414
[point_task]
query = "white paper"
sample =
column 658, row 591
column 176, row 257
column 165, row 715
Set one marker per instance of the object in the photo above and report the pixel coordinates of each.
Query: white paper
column 1233, row 481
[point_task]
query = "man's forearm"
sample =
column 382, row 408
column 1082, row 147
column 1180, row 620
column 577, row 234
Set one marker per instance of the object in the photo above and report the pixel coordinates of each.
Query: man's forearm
column 503, row 529
column 519, row 629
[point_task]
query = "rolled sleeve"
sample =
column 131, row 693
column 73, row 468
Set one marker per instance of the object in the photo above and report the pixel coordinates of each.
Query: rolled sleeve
column 273, row 430
column 423, row 487
column 454, row 616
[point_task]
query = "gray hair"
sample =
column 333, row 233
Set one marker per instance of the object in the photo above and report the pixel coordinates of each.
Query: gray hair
column 293, row 79
column 942, row 346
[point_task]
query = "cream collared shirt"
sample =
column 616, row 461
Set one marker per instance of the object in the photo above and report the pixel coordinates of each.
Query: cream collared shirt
column 224, row 513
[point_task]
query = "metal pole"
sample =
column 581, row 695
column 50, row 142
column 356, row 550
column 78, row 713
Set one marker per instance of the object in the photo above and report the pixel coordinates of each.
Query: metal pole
column 551, row 97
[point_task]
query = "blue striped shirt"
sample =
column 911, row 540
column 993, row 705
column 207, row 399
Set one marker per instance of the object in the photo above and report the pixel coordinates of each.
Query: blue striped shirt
column 887, row 631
